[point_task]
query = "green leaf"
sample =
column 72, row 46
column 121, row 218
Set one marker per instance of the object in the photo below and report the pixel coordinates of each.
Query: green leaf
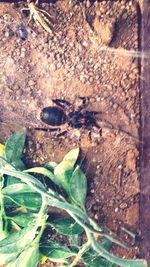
column 2, row 149
column 1, row 182
column 43, row 171
column 19, row 165
column 4, row 163
column 72, row 155
column 56, row 252
column 22, row 195
column 14, row 146
column 106, row 243
column 78, row 187
column 25, row 177
column 37, row 186
column 66, row 226
column 23, row 219
column 18, row 241
column 1, row 224
column 28, row 200
column 6, row 258
column 11, row 180
column 51, row 165
column 16, row 188
column 63, row 171
column 75, row 240
column 91, row 259
column 28, row 258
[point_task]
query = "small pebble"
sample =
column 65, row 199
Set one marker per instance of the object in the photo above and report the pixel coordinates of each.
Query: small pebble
column 123, row 205
column 31, row 83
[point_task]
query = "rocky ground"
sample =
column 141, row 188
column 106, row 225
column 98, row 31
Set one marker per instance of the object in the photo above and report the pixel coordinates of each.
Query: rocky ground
column 91, row 52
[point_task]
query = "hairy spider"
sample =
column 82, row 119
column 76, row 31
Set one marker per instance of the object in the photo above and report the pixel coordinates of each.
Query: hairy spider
column 65, row 113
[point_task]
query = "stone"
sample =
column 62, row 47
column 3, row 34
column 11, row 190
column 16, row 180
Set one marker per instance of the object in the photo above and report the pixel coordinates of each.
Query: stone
column 131, row 160
column 104, row 30
column 31, row 83
column 132, row 216
column 123, row 205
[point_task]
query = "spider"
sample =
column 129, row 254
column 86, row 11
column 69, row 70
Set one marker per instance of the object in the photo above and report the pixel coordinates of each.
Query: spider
column 65, row 113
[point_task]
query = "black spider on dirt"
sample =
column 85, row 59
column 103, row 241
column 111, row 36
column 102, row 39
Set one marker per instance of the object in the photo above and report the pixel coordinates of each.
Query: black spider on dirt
column 65, row 113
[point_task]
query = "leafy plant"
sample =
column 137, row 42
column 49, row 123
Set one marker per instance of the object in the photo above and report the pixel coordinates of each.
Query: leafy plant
column 24, row 216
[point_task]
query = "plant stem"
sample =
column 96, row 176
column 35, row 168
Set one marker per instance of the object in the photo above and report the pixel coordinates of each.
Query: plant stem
column 42, row 218
column 111, row 236
column 80, row 216
column 51, row 200
column 111, row 258
column 80, row 253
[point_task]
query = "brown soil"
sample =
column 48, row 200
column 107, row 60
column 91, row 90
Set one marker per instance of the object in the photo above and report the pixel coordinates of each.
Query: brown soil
column 85, row 55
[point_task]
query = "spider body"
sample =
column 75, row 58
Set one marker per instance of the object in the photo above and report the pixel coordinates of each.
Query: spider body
column 54, row 116
column 65, row 113
column 78, row 119
column 60, row 114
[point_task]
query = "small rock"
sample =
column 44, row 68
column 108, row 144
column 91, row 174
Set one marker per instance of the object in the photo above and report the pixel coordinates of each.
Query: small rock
column 7, row 34
column 23, row 54
column 126, row 83
column 19, row 93
column 58, row 65
column 132, row 216
column 104, row 30
column 52, row 67
column 82, row 78
column 131, row 160
column 91, row 79
column 31, row 83
column 123, row 205
column 85, row 44
column 103, row 9
column 80, row 67
column 115, row 106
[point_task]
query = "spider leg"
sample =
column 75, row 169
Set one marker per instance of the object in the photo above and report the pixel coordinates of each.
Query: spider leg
column 85, row 99
column 81, row 102
column 95, row 133
column 90, row 135
column 61, row 134
column 61, row 103
column 95, row 124
column 46, row 129
column 95, row 113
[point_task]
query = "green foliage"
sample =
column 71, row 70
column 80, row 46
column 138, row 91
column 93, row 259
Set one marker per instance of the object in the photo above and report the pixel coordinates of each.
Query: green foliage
column 55, row 251
column 64, row 170
column 92, row 259
column 66, row 226
column 22, row 219
column 29, row 257
column 24, row 216
column 22, row 195
column 14, row 147
column 78, row 187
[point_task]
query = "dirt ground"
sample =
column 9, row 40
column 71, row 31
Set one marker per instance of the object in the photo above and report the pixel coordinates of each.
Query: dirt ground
column 85, row 55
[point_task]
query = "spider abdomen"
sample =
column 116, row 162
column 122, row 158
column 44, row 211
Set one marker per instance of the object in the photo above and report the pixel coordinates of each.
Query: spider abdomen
column 53, row 116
